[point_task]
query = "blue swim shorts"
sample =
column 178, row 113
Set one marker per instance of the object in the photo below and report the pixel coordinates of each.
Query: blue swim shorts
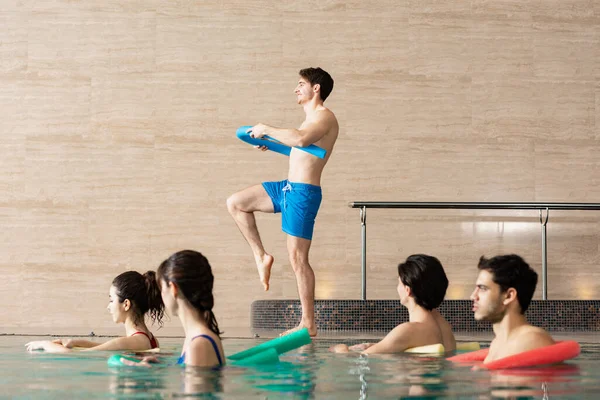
column 298, row 204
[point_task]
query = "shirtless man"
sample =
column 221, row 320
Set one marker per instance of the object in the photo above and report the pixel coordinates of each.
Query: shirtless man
column 422, row 285
column 299, row 196
column 502, row 294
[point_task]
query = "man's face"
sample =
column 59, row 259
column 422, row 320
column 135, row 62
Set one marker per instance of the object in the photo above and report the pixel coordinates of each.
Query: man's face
column 304, row 91
column 487, row 299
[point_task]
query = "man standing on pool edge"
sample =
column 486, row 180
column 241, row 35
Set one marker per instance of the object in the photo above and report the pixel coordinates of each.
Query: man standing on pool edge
column 299, row 196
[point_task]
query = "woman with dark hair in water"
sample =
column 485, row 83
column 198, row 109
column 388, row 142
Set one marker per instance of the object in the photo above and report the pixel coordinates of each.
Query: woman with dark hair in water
column 132, row 296
column 186, row 283
column 422, row 285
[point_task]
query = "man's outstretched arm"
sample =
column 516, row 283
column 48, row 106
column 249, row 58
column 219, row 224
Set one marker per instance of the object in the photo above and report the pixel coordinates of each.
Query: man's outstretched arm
column 306, row 136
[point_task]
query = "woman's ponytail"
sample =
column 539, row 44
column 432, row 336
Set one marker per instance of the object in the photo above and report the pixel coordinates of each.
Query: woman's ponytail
column 156, row 307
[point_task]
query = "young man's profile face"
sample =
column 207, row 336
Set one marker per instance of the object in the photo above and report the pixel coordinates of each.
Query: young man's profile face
column 487, row 299
column 304, row 91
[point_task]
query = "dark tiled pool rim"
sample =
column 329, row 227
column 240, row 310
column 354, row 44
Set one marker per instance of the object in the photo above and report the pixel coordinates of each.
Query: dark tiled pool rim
column 383, row 315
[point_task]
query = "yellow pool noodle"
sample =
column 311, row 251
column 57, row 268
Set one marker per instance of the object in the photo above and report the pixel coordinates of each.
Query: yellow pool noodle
column 439, row 348
column 468, row 346
column 432, row 348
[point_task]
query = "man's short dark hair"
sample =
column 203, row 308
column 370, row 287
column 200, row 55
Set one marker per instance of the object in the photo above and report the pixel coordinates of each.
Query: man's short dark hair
column 318, row 76
column 511, row 271
column 426, row 278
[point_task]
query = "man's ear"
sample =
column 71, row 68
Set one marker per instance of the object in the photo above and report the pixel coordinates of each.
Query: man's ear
column 510, row 296
column 316, row 88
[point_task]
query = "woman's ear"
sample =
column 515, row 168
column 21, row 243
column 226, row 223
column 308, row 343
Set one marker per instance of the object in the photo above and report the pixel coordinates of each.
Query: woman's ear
column 126, row 304
column 173, row 289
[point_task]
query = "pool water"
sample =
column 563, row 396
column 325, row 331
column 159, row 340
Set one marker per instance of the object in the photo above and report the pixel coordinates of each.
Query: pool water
column 309, row 372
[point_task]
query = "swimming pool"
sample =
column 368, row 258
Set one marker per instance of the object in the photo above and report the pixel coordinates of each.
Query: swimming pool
column 309, row 372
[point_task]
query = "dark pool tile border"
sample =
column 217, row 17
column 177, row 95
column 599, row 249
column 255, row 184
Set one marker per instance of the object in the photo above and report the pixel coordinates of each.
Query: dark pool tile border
column 383, row 315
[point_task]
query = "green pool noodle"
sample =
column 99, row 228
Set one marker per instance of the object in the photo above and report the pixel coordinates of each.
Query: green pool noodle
column 269, row 356
column 280, row 345
column 115, row 360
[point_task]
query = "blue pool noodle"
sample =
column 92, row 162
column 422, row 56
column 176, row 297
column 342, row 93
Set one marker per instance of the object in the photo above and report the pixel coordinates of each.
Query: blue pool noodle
column 280, row 345
column 275, row 145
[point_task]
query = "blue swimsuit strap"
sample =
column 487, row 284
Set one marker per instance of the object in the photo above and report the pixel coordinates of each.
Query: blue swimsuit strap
column 214, row 344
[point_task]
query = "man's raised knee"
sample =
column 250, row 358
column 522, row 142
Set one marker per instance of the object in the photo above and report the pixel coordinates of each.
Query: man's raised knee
column 232, row 204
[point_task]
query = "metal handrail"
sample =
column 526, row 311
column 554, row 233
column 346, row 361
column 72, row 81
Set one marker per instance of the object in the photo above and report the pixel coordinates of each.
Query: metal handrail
column 363, row 205
column 475, row 205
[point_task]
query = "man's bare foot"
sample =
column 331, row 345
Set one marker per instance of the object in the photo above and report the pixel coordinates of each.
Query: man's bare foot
column 264, row 265
column 312, row 330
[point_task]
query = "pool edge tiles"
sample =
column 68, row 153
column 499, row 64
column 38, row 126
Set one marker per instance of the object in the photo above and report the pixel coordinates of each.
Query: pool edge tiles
column 384, row 315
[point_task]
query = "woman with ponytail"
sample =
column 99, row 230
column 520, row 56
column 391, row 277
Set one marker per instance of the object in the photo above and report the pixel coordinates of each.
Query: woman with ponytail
column 186, row 283
column 131, row 296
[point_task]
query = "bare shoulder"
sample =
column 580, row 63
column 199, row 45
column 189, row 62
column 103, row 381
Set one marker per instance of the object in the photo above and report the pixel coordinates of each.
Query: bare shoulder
column 413, row 334
column 204, row 343
column 406, row 329
column 531, row 337
column 536, row 333
column 439, row 318
column 442, row 323
column 201, row 352
column 448, row 338
column 399, row 339
column 326, row 115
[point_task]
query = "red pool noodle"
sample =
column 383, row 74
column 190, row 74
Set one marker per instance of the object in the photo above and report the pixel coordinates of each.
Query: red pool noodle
column 558, row 352
column 478, row 355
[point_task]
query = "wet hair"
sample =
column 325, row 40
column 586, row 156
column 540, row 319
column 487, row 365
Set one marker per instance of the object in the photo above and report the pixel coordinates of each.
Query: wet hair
column 426, row 278
column 317, row 76
column 143, row 292
column 511, row 271
column 192, row 274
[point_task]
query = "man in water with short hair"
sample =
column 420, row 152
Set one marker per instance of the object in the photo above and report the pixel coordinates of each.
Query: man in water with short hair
column 422, row 285
column 299, row 196
column 502, row 294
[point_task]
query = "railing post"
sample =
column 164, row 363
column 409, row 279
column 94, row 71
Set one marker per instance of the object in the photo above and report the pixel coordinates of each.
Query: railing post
column 363, row 205
column 363, row 226
column 544, row 222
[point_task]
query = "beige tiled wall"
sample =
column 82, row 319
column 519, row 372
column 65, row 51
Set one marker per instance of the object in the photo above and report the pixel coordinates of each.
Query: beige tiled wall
column 117, row 142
